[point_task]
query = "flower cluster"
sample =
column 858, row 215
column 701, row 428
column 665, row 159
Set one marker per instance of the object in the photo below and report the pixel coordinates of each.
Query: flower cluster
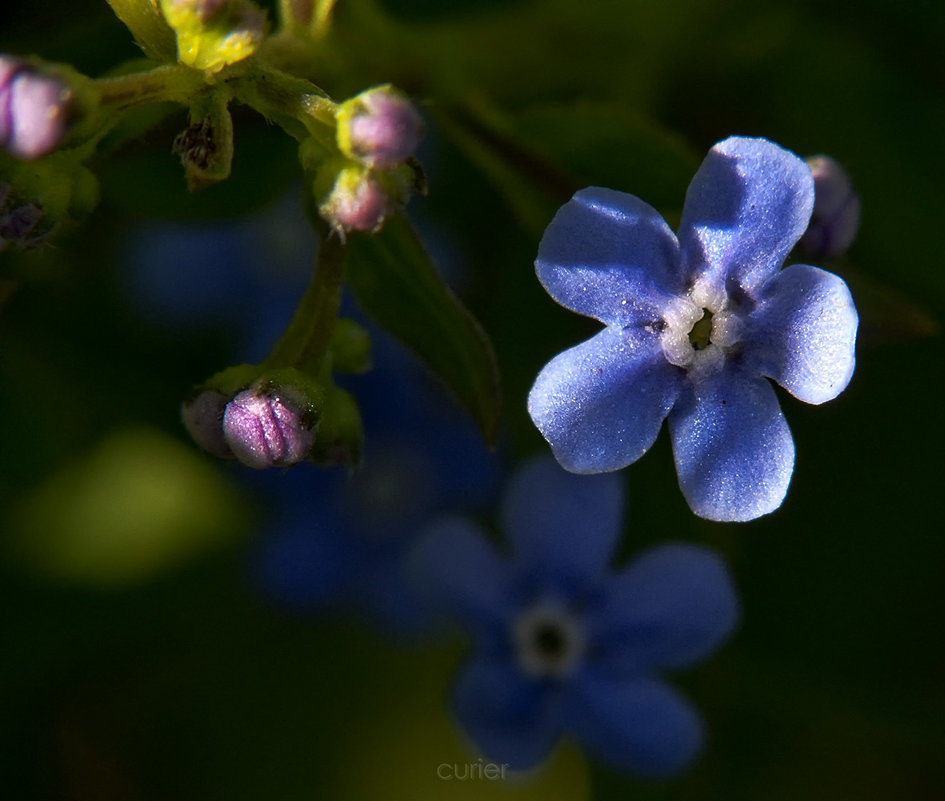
column 563, row 645
column 695, row 325
column 377, row 133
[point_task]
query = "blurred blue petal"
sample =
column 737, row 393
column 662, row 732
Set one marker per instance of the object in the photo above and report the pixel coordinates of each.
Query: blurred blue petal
column 513, row 719
column 747, row 206
column 565, row 645
column 804, row 333
column 189, row 275
column 733, row 449
column 601, row 404
column 563, row 527
column 303, row 563
column 641, row 726
column 609, row 255
column 672, row 606
column 460, row 573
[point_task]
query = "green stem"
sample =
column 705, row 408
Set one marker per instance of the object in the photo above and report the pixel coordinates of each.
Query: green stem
column 289, row 101
column 170, row 82
column 306, row 341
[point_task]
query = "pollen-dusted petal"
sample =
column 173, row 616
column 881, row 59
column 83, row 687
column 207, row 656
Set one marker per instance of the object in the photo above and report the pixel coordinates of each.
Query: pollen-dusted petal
column 671, row 606
column 563, row 527
column 803, row 334
column 734, row 451
column 610, row 256
column 643, row 726
column 600, row 404
column 747, row 206
column 512, row 718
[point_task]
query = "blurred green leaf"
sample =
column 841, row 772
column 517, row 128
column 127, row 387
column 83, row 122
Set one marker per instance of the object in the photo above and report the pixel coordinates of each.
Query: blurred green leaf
column 138, row 504
column 395, row 281
column 538, row 158
column 147, row 179
column 608, row 144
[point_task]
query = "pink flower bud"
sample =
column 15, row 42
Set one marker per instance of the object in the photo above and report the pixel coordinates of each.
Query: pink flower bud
column 836, row 216
column 380, row 128
column 357, row 202
column 265, row 427
column 203, row 418
column 33, row 110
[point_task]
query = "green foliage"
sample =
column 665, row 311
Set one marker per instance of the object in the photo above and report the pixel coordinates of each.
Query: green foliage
column 395, row 282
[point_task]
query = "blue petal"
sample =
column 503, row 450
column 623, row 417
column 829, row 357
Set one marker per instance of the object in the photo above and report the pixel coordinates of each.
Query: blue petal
column 513, row 719
column 671, row 606
column 733, row 448
column 601, row 404
column 459, row 573
column 641, row 726
column 564, row 527
column 747, row 206
column 609, row 255
column 388, row 597
column 304, row 564
column 803, row 335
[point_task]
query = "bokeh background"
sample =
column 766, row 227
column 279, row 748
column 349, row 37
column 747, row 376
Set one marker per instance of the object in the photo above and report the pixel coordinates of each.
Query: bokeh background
column 139, row 657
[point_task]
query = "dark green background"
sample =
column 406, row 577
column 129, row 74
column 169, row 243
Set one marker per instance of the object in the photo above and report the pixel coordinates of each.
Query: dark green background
column 160, row 676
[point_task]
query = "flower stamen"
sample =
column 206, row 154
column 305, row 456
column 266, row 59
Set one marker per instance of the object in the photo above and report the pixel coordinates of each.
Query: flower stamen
column 548, row 640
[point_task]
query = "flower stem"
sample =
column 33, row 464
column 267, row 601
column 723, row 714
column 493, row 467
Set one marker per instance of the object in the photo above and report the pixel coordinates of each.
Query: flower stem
column 306, row 341
column 170, row 82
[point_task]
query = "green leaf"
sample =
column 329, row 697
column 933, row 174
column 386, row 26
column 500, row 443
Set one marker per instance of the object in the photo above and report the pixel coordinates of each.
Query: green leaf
column 395, row 282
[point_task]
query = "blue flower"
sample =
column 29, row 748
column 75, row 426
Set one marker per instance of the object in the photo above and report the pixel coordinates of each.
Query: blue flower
column 695, row 325
column 563, row 645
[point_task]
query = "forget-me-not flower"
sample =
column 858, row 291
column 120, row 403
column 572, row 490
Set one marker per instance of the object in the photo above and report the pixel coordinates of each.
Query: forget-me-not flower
column 695, row 325
column 565, row 646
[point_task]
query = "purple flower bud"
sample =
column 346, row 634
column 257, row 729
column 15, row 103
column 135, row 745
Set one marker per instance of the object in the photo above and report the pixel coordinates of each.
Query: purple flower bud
column 265, row 427
column 33, row 109
column 380, row 128
column 357, row 202
column 836, row 216
column 18, row 222
column 203, row 418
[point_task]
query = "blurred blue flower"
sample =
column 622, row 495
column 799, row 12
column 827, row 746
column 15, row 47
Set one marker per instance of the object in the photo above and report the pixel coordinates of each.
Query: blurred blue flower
column 337, row 542
column 562, row 644
column 694, row 325
column 241, row 278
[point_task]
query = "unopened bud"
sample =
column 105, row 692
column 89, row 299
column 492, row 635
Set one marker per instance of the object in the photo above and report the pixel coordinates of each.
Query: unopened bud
column 18, row 222
column 836, row 216
column 203, row 418
column 379, row 128
column 268, row 426
column 33, row 109
column 357, row 202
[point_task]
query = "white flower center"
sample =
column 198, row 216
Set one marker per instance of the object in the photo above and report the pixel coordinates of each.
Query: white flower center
column 548, row 640
column 700, row 327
